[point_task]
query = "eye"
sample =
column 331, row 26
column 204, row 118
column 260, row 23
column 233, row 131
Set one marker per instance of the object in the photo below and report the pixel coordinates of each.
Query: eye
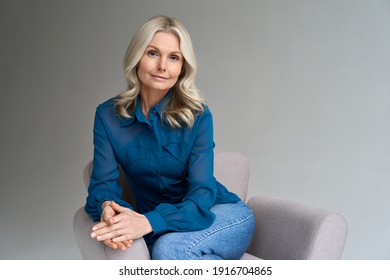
column 174, row 57
column 152, row 53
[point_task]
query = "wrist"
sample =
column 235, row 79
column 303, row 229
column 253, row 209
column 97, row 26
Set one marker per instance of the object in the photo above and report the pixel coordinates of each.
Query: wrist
column 148, row 227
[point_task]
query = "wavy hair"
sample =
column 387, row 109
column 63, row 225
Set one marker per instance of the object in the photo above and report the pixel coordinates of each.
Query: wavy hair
column 185, row 101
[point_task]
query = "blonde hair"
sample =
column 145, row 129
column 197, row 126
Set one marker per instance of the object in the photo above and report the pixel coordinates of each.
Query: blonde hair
column 185, row 101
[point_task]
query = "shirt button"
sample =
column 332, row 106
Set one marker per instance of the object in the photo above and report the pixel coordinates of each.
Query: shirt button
column 154, row 111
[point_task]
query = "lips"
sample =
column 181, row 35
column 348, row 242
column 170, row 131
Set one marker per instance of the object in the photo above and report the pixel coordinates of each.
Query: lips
column 158, row 77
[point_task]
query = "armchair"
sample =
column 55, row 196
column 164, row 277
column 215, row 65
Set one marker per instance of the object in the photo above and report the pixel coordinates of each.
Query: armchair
column 285, row 229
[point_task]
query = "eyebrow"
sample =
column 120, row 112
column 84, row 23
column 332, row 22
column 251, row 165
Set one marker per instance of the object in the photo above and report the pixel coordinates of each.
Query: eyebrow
column 174, row 52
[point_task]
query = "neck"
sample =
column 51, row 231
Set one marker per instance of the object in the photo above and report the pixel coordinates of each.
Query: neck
column 149, row 100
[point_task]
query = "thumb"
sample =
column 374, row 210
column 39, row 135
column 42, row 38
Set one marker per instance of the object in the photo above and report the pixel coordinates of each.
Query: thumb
column 117, row 208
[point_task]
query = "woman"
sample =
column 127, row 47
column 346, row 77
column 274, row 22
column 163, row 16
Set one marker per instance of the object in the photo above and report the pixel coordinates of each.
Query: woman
column 161, row 133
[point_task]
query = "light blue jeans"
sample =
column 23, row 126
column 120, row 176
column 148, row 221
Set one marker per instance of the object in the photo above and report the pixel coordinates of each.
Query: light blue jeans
column 227, row 238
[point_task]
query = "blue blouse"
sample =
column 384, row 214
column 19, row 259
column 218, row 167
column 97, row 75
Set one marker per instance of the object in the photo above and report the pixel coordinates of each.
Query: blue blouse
column 170, row 170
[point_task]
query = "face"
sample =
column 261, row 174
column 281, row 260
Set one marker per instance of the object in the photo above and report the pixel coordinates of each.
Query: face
column 161, row 64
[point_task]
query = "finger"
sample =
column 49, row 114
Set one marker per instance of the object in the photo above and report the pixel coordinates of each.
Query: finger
column 117, row 208
column 116, row 219
column 128, row 243
column 107, row 217
column 105, row 231
column 111, row 221
column 122, row 238
column 98, row 231
column 121, row 217
column 116, row 245
column 122, row 246
column 111, row 244
column 109, row 233
column 99, row 226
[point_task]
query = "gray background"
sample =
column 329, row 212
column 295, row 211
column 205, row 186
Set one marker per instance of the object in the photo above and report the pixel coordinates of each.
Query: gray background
column 301, row 87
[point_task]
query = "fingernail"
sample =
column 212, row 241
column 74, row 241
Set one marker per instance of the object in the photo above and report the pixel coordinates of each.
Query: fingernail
column 93, row 235
column 94, row 228
column 99, row 237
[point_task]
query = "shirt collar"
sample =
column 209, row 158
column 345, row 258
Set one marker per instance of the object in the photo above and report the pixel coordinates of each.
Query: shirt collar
column 160, row 106
column 138, row 111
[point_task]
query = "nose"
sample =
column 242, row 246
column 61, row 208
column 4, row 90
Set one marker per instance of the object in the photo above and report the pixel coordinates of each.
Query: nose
column 162, row 65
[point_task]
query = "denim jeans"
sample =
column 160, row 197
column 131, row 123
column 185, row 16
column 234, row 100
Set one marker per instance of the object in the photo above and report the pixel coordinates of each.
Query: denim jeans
column 227, row 238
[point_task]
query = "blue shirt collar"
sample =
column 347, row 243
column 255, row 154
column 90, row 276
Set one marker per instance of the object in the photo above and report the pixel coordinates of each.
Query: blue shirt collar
column 138, row 114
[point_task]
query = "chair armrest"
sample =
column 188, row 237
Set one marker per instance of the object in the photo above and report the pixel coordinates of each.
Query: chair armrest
column 287, row 230
column 94, row 250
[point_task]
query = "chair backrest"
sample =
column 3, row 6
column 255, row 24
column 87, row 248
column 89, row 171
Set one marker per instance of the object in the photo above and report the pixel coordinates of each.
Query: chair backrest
column 230, row 168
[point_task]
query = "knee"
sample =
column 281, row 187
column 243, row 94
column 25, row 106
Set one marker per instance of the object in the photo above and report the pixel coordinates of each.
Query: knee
column 165, row 248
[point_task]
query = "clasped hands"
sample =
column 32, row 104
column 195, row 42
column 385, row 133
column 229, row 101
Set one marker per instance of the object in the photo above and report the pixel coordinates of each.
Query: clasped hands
column 119, row 226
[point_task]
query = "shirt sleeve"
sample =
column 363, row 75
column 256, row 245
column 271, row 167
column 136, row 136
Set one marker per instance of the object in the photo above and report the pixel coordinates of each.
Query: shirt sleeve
column 104, row 184
column 193, row 212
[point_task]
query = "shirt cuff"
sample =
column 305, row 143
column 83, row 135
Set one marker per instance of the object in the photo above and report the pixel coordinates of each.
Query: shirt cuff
column 157, row 222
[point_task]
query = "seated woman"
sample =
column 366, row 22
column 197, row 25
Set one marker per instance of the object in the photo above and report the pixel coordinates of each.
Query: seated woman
column 161, row 132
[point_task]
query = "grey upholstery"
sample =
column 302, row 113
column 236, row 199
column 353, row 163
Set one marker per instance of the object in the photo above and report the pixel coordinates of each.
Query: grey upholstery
column 285, row 229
